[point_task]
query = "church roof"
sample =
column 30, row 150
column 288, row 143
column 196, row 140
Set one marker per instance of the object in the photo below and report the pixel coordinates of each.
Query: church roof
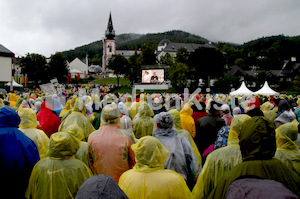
column 164, row 41
column 110, row 32
column 5, row 52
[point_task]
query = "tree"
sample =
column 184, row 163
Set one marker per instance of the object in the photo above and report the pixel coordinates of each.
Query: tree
column 182, row 55
column 118, row 64
column 133, row 71
column 167, row 59
column 58, row 67
column 148, row 53
column 207, row 62
column 36, row 68
column 181, row 76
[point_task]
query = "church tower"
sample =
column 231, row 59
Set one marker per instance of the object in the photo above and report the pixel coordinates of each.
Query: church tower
column 109, row 44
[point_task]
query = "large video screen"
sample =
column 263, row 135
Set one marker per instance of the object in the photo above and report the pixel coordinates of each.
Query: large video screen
column 153, row 76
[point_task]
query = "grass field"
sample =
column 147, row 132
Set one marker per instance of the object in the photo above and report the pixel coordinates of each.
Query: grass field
column 112, row 80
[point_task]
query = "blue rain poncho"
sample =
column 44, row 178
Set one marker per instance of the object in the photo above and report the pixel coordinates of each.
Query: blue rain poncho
column 59, row 175
column 221, row 161
column 18, row 155
column 148, row 178
column 182, row 158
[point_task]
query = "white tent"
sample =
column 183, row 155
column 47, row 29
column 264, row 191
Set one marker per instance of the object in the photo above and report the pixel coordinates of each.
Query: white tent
column 243, row 90
column 15, row 84
column 74, row 70
column 266, row 90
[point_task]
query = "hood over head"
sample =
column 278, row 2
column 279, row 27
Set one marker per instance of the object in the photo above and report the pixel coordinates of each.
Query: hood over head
column 9, row 117
column 236, row 127
column 257, row 139
column 28, row 118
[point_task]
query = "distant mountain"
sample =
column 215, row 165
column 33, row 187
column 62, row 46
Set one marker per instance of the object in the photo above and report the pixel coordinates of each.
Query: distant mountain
column 131, row 41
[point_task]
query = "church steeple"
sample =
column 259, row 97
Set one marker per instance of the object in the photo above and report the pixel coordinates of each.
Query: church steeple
column 110, row 32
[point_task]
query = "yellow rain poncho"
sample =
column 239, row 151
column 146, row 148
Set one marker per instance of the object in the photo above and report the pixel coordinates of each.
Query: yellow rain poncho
column 136, row 105
column 177, row 122
column 148, row 178
column 268, row 113
column 13, row 99
column 82, row 152
column 59, row 175
column 66, row 109
column 187, row 120
column 29, row 125
column 145, row 124
column 287, row 149
column 127, row 104
column 220, row 161
column 78, row 117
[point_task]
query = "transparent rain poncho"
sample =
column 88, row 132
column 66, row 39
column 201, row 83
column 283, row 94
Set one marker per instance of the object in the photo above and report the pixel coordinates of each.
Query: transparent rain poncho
column 78, row 117
column 110, row 147
column 29, row 125
column 268, row 111
column 177, row 122
column 220, row 161
column 59, row 175
column 287, row 149
column 145, row 124
column 187, row 120
column 148, row 178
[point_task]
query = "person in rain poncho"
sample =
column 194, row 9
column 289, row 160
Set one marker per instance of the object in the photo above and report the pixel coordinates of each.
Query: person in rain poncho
column 254, row 107
column 121, row 107
column 13, row 99
column 284, row 117
column 287, row 149
column 177, row 122
column 182, row 158
column 126, row 124
column 135, row 106
column 109, row 147
column 258, row 146
column 269, row 110
column 144, row 125
column 49, row 122
column 82, row 152
column 59, row 175
column 100, row 187
column 29, row 125
column 18, row 155
column 127, row 104
column 148, row 178
column 220, row 161
column 67, row 108
column 78, row 117
column 187, row 120
column 17, row 103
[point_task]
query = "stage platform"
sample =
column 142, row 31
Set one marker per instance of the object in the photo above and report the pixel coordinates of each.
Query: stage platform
column 164, row 86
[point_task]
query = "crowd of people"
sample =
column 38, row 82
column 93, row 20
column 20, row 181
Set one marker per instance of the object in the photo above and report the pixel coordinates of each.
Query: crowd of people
column 160, row 145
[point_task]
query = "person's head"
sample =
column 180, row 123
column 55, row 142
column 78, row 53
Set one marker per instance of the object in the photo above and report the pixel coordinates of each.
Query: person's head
column 110, row 115
column 176, row 117
column 154, row 73
column 76, row 131
column 254, row 103
column 100, row 187
column 287, row 135
column 214, row 108
column 225, row 109
column 28, row 118
column 235, row 128
column 9, row 117
column 286, row 116
column 164, row 120
column 146, row 72
column 145, row 110
column 63, row 145
column 149, row 153
column 257, row 139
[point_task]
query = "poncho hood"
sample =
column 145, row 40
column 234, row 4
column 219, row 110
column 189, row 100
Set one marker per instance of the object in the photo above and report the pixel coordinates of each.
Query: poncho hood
column 9, row 118
column 287, row 135
column 28, row 118
column 63, row 145
column 186, row 110
column 257, row 139
column 145, row 110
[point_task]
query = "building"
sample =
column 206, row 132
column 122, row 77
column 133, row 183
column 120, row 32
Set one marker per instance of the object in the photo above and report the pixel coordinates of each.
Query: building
column 6, row 60
column 166, row 46
column 109, row 44
column 77, row 67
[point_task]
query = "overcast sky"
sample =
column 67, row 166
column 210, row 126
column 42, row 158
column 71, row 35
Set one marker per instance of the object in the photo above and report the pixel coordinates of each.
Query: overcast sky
column 48, row 26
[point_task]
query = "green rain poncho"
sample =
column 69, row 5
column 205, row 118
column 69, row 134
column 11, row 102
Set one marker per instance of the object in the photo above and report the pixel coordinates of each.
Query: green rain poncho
column 287, row 149
column 59, row 175
column 148, row 178
column 177, row 122
column 220, row 161
column 78, row 117
column 144, row 125
column 258, row 146
column 29, row 125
